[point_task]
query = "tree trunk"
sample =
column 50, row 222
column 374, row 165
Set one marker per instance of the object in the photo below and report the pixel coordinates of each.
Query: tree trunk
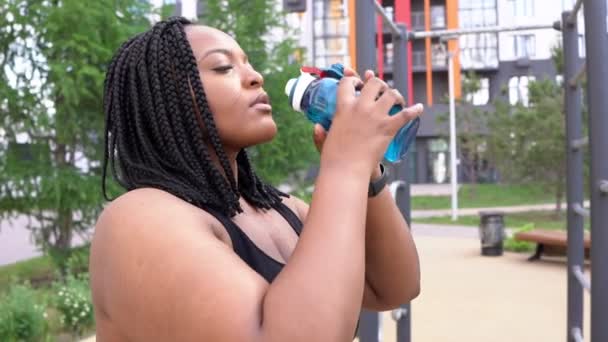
column 559, row 194
column 63, row 240
column 63, row 236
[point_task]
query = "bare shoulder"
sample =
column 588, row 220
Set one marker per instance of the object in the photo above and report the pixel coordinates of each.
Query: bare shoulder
column 297, row 205
column 158, row 271
column 145, row 204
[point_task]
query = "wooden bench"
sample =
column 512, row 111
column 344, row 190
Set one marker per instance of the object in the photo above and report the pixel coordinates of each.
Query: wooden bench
column 550, row 242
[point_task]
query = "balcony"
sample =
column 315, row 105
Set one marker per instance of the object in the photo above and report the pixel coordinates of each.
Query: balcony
column 437, row 19
column 438, row 59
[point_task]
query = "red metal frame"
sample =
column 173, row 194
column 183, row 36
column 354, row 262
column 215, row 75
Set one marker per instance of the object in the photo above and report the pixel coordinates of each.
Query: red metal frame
column 403, row 15
column 380, row 44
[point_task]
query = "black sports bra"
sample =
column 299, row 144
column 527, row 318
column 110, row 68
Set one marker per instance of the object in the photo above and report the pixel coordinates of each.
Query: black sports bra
column 249, row 252
column 254, row 256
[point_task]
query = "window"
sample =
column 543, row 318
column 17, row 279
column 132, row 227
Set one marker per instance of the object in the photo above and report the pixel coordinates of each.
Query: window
column 518, row 89
column 524, row 45
column 478, row 51
column 438, row 161
column 482, row 95
column 522, row 8
column 439, row 55
column 477, row 13
column 329, row 32
column 437, row 16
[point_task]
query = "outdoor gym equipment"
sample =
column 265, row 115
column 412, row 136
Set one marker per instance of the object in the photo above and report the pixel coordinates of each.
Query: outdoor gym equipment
column 596, row 46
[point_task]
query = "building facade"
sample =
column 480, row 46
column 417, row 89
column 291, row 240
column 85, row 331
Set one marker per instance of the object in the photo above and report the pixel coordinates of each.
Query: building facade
column 504, row 62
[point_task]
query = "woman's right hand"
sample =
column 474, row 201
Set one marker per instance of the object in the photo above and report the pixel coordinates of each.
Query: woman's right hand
column 361, row 129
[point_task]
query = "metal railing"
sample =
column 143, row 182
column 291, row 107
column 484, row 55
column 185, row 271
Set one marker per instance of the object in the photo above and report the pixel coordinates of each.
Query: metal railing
column 596, row 71
column 369, row 323
column 596, row 46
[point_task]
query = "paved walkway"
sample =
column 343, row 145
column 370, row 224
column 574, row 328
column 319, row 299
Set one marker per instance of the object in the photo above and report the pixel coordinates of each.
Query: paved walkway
column 431, row 189
column 469, row 297
column 16, row 242
column 475, row 211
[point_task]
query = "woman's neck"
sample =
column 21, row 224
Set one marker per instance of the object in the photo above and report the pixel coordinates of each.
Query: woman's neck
column 231, row 161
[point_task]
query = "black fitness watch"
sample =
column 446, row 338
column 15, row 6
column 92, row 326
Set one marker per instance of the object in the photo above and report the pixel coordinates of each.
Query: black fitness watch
column 376, row 185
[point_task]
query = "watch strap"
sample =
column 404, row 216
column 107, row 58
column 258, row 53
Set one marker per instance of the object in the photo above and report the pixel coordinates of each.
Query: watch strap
column 376, row 185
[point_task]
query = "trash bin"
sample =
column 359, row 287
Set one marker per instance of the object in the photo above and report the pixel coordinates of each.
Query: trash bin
column 491, row 232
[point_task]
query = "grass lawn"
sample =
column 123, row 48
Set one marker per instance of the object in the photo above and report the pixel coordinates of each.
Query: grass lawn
column 35, row 270
column 487, row 195
column 540, row 219
column 41, row 272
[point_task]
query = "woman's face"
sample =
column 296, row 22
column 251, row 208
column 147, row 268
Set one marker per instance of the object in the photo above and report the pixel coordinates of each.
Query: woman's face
column 240, row 106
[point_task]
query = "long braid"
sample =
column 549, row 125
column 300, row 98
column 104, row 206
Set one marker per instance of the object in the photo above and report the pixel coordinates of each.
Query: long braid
column 189, row 126
column 157, row 132
column 107, row 103
column 202, row 102
column 253, row 189
column 180, row 104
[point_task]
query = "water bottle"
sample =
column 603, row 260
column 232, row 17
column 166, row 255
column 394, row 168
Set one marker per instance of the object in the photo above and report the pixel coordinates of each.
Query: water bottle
column 314, row 94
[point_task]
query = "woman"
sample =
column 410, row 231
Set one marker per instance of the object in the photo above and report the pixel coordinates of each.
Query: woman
column 199, row 248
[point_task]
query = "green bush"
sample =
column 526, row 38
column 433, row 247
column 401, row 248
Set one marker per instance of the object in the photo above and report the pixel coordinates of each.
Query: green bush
column 74, row 303
column 72, row 261
column 78, row 261
column 22, row 318
column 513, row 245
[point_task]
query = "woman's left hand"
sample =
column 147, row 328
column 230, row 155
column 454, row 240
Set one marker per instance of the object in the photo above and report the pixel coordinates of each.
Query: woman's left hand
column 319, row 134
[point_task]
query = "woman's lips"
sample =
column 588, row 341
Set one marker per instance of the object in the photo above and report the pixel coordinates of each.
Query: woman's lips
column 265, row 107
column 262, row 103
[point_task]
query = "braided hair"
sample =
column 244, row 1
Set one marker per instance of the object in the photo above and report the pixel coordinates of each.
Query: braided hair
column 158, row 123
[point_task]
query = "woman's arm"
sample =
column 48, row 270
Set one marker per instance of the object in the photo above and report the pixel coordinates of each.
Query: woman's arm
column 392, row 271
column 159, row 272
column 171, row 279
column 392, row 267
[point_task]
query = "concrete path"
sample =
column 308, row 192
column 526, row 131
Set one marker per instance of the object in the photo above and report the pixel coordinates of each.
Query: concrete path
column 469, row 297
column 475, row 211
column 424, row 229
column 431, row 189
column 16, row 243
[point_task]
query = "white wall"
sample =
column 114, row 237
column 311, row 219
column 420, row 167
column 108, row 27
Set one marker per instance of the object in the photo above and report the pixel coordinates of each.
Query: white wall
column 189, row 9
column 543, row 12
column 302, row 23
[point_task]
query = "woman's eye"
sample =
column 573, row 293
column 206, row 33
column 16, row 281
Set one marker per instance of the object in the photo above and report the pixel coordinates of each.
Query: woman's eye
column 223, row 69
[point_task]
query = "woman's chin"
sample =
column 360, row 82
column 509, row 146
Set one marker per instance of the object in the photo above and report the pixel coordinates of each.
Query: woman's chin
column 268, row 133
column 263, row 133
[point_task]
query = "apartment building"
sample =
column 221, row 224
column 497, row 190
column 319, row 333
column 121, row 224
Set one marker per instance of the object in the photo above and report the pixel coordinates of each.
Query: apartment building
column 505, row 62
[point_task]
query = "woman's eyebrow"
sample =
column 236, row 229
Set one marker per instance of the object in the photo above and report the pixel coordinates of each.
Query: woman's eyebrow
column 226, row 52
column 219, row 50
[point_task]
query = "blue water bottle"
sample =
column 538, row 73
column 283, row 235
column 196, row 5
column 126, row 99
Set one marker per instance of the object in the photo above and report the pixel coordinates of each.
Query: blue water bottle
column 314, row 94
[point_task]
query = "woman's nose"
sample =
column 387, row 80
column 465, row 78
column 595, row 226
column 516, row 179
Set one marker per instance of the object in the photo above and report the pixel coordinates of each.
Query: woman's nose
column 254, row 78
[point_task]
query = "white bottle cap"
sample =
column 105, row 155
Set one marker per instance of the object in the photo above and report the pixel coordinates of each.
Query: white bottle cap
column 295, row 89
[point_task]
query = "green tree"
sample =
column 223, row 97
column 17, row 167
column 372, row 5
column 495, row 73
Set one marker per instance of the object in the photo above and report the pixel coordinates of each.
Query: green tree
column 528, row 143
column 53, row 57
column 255, row 25
column 471, row 129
